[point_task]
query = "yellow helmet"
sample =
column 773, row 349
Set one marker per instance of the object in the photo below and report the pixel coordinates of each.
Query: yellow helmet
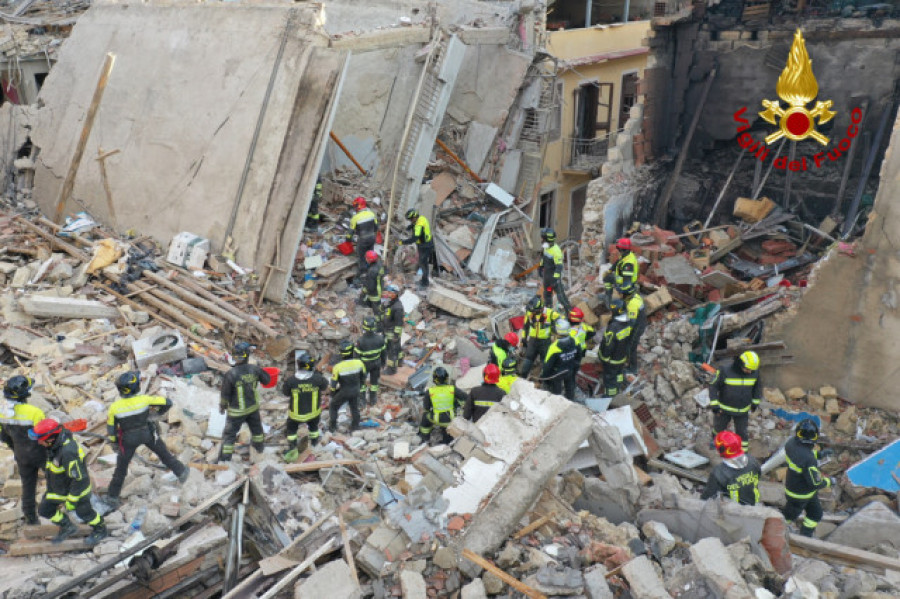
column 750, row 360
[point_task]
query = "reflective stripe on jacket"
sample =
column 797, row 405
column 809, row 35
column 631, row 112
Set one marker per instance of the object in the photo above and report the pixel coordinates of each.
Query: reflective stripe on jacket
column 540, row 326
column 131, row 413
column 803, row 479
column 734, row 391
column 304, row 388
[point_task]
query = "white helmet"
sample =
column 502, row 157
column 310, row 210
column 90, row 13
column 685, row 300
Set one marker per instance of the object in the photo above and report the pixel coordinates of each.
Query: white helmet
column 563, row 327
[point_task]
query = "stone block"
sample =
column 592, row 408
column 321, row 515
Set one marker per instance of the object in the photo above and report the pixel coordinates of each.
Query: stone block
column 165, row 346
column 752, row 211
column 815, row 402
column 12, row 488
column 645, row 583
column 828, row 392
column 795, row 393
column 474, row 590
column 832, row 406
column 722, row 575
column 334, row 579
column 66, row 307
column 456, row 303
column 595, row 585
column 774, row 396
column 868, row 528
column 846, row 422
column 412, row 585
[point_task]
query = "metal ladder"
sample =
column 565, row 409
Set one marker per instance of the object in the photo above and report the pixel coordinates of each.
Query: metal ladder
column 533, row 138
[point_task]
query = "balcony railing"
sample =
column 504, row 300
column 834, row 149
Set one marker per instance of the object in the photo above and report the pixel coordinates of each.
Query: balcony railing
column 586, row 154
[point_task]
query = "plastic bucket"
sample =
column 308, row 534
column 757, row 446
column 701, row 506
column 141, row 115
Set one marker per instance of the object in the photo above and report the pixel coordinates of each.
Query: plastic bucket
column 345, row 247
column 517, row 322
column 273, row 376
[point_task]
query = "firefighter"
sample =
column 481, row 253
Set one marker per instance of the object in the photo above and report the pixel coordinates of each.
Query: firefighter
column 312, row 216
column 373, row 281
column 305, row 388
column 538, row 327
column 14, row 426
column 68, row 483
column 737, row 476
column 482, row 397
column 551, row 269
column 613, row 350
column 508, row 373
column 624, row 270
column 440, row 402
column 561, row 363
column 734, row 392
column 130, row 423
column 363, row 224
column 370, row 348
column 421, row 236
column 240, row 397
column 347, row 378
column 637, row 316
column 803, row 480
column 582, row 332
column 502, row 348
column 392, row 321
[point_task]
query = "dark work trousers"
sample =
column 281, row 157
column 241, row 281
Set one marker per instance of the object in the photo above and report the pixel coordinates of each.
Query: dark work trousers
column 640, row 325
column 129, row 441
column 813, row 509
column 563, row 384
column 720, row 423
column 49, row 508
column 340, row 398
column 312, row 424
column 393, row 349
column 28, row 471
column 363, row 245
column 373, row 375
column 613, row 378
column 535, row 348
column 375, row 305
column 552, row 286
column 428, row 422
column 427, row 258
column 233, row 427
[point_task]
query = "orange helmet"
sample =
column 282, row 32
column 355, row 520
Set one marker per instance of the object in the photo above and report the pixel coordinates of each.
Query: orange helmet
column 371, row 256
column 491, row 374
column 729, row 444
column 512, row 339
column 624, row 243
column 359, row 203
column 576, row 315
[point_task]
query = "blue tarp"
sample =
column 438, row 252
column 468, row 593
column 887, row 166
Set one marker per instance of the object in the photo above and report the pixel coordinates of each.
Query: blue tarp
column 879, row 469
column 797, row 416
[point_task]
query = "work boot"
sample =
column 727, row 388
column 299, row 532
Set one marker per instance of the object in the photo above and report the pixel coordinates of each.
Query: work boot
column 67, row 528
column 99, row 533
column 389, row 370
column 314, row 441
column 185, row 474
column 807, row 531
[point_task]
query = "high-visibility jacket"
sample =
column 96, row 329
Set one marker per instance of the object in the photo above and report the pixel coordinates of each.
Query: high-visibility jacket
column 734, row 391
column 499, row 351
column 421, row 232
column 582, row 334
column 370, row 349
column 803, row 478
column 506, row 382
column 240, row 390
column 481, row 398
column 364, row 223
column 443, row 399
column 551, row 264
column 626, row 269
column 737, row 478
column 614, row 346
column 540, row 326
column 562, row 357
column 348, row 375
column 634, row 307
column 14, row 429
column 132, row 413
column 373, row 280
column 304, row 388
column 67, row 476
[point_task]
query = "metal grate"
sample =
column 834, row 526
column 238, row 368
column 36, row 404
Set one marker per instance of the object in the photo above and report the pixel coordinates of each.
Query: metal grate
column 659, row 9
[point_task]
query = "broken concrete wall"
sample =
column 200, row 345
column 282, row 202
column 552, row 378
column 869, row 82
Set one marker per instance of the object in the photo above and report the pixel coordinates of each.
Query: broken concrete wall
column 15, row 127
column 184, row 117
column 858, row 350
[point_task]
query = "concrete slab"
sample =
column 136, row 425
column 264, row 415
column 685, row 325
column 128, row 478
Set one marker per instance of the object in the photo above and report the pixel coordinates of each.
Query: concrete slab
column 480, row 479
column 331, row 580
column 509, row 174
column 161, row 348
column 455, row 302
column 501, row 259
column 66, row 307
column 869, row 527
column 645, row 583
column 184, row 147
column 412, row 585
column 479, row 139
column 714, row 563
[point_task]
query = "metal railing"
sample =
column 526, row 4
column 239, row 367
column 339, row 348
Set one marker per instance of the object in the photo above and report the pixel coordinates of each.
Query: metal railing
column 586, row 154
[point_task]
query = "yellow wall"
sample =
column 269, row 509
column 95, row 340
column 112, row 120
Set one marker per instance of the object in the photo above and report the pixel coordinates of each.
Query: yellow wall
column 577, row 43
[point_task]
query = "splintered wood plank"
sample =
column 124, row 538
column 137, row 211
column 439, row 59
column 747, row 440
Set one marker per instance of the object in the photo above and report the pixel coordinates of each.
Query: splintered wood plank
column 23, row 548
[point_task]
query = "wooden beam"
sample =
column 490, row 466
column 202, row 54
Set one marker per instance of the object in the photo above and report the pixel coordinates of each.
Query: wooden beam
column 347, row 153
column 69, row 182
column 834, row 552
column 313, row 466
column 514, row 583
column 348, row 551
column 23, row 548
column 459, row 161
column 533, row 526
column 667, row 467
column 101, row 159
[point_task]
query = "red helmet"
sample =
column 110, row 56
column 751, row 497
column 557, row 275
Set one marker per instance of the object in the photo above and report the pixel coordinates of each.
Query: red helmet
column 729, row 444
column 371, row 256
column 45, row 431
column 576, row 315
column 624, row 243
column 512, row 339
column 359, row 203
column 491, row 374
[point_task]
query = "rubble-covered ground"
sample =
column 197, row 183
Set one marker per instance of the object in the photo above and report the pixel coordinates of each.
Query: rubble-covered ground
column 544, row 488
